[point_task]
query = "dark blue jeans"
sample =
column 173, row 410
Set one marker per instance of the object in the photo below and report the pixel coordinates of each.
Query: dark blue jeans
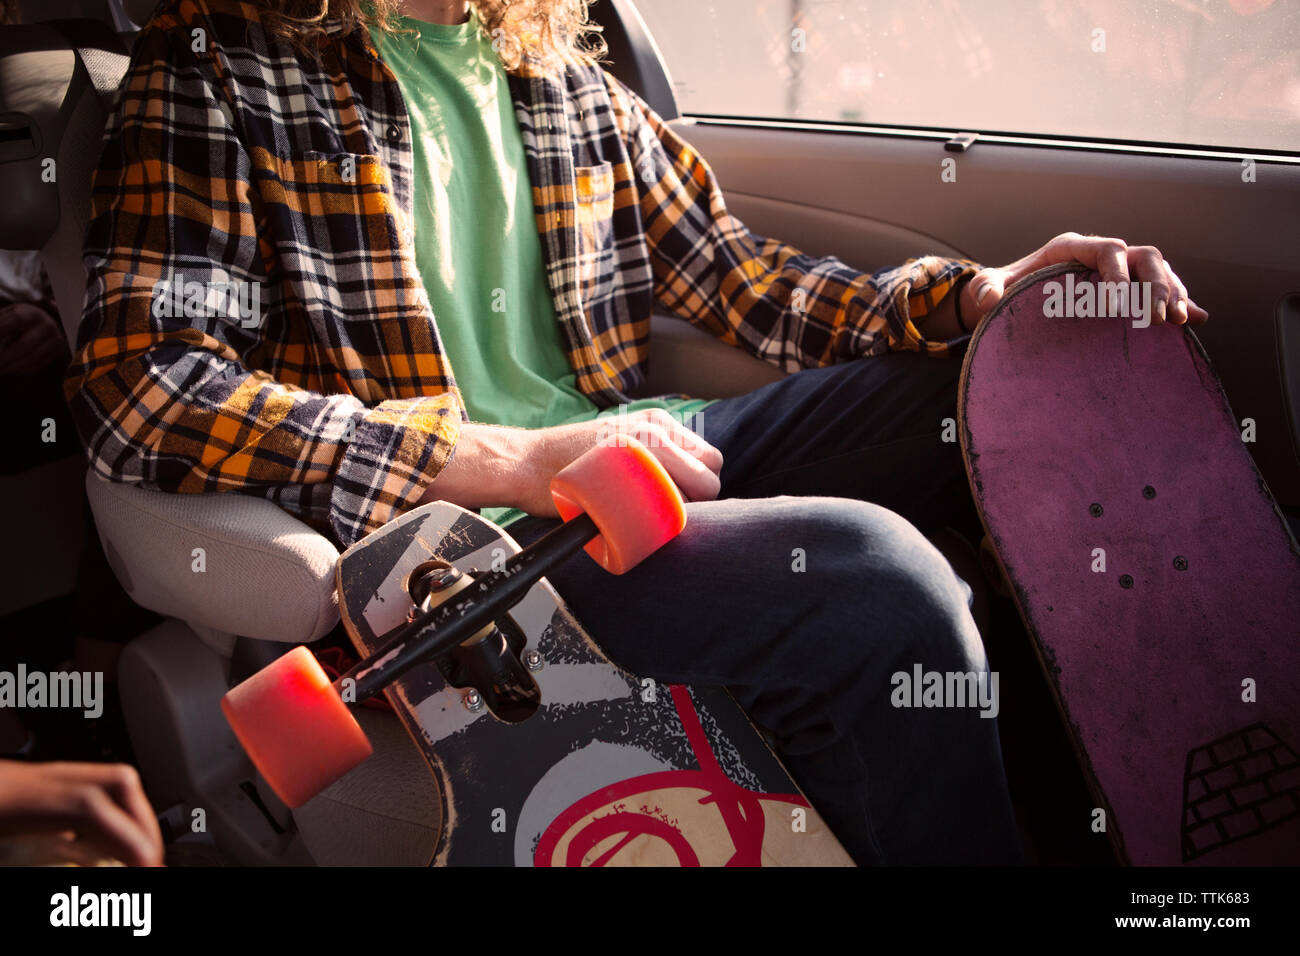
column 807, row 588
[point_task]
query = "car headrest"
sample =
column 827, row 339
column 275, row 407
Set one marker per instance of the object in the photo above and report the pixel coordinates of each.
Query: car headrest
column 58, row 81
column 36, row 74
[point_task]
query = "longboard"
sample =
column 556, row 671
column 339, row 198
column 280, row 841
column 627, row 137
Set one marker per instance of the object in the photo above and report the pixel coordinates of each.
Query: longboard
column 610, row 769
column 1150, row 564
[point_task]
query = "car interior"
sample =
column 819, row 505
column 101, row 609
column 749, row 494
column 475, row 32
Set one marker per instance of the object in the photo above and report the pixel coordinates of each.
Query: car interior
column 864, row 196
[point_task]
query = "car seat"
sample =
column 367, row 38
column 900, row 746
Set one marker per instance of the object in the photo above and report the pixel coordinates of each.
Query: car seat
column 267, row 583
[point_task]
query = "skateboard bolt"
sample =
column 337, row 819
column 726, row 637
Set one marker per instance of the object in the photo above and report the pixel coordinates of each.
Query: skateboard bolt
column 1094, row 509
column 473, row 700
column 1126, row 580
column 1148, row 492
column 533, row 660
column 1180, row 563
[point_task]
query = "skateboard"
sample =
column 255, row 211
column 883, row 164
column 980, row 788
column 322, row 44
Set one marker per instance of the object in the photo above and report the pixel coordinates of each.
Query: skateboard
column 544, row 751
column 1150, row 564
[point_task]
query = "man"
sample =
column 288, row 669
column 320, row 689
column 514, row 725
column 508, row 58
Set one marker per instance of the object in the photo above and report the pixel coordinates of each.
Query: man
column 363, row 213
column 86, row 809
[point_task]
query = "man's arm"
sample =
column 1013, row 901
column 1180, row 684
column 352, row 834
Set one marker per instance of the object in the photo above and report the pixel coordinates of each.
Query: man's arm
column 799, row 311
column 791, row 309
column 168, row 402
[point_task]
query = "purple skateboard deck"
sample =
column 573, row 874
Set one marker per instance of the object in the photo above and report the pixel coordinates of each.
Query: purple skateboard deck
column 1151, row 565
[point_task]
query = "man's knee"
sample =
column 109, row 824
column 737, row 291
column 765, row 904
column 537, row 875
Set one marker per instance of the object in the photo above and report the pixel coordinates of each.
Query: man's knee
column 900, row 597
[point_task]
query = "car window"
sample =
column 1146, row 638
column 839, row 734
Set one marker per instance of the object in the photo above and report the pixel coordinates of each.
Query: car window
column 1213, row 73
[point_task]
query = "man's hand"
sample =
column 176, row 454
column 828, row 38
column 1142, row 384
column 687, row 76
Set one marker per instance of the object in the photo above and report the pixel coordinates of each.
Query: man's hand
column 495, row 466
column 1113, row 258
column 101, row 803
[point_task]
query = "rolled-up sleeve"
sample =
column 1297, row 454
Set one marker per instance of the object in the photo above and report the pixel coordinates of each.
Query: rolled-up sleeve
column 160, row 385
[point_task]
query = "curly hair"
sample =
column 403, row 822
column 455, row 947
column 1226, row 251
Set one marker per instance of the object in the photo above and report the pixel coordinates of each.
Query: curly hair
column 528, row 35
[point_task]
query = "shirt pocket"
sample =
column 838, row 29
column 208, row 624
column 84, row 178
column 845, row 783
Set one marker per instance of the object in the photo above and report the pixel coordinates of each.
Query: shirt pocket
column 317, row 182
column 594, row 216
column 345, row 231
column 325, row 196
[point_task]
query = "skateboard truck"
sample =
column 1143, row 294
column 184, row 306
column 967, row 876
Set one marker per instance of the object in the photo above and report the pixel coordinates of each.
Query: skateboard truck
column 617, row 503
column 467, row 614
column 487, row 662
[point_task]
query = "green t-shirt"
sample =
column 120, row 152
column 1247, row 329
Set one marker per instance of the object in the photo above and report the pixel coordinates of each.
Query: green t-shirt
column 476, row 243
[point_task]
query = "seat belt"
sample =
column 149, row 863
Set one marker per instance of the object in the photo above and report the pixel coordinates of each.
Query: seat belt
column 100, row 52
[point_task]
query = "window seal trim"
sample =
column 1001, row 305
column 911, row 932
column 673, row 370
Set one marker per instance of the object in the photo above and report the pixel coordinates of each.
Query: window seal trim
column 1132, row 147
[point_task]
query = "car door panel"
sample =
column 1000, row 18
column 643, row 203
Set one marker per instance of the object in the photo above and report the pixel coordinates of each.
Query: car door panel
column 873, row 200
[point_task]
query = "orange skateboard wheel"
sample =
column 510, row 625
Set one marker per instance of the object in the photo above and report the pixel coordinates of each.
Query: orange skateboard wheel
column 630, row 498
column 294, row 727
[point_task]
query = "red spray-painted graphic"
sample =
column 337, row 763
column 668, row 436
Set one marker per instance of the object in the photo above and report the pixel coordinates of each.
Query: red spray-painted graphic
column 616, row 812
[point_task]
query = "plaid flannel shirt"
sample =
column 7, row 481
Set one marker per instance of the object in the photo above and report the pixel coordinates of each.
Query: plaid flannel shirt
column 237, row 172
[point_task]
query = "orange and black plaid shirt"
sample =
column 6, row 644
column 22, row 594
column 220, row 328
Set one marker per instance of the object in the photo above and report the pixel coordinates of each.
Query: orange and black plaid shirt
column 254, row 320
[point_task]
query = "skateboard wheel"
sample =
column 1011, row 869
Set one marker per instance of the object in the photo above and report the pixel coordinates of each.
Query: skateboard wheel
column 294, row 727
column 628, row 495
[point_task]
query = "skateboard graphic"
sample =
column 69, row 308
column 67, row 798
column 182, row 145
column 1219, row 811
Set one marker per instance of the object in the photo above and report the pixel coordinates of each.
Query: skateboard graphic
column 1152, row 567
column 545, row 753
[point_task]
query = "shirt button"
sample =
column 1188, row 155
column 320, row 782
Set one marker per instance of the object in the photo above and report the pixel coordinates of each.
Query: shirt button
column 394, row 134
